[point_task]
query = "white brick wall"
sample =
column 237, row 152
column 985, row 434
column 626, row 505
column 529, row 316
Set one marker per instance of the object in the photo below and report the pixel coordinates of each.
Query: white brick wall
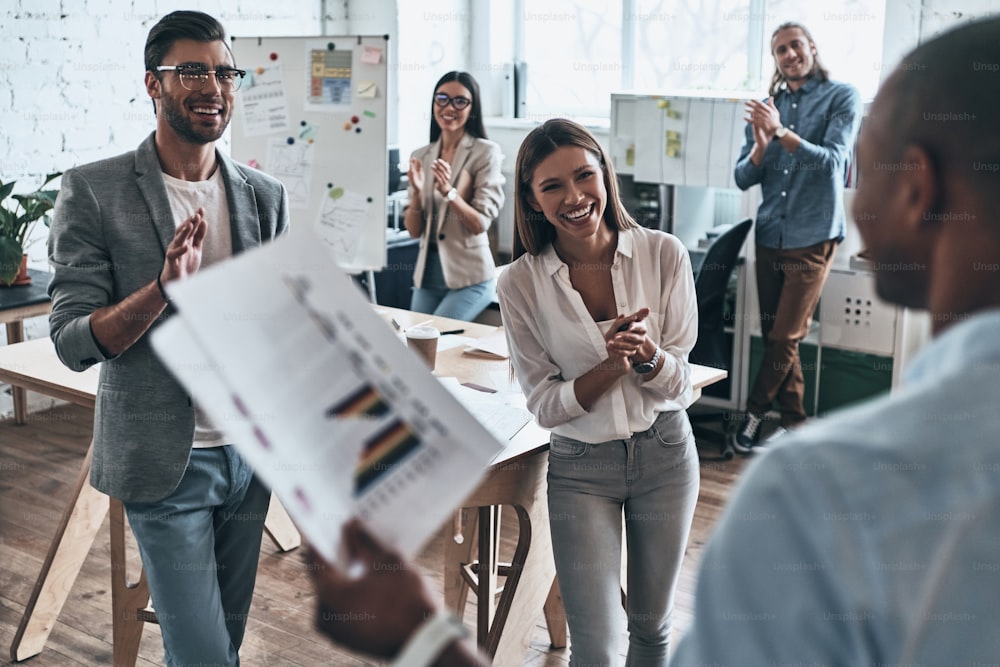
column 71, row 81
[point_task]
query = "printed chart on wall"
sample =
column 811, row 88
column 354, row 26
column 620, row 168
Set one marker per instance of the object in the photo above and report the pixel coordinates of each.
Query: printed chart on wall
column 312, row 113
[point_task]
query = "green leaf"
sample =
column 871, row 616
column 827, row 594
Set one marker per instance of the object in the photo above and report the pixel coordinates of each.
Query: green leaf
column 10, row 259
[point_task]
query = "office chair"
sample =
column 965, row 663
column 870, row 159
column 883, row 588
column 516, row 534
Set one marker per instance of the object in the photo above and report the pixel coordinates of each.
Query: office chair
column 713, row 347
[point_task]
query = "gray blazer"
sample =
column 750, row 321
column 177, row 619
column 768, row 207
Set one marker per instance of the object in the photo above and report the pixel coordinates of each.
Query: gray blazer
column 111, row 226
column 475, row 172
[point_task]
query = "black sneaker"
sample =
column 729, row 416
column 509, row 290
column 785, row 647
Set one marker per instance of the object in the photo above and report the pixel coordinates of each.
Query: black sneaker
column 747, row 433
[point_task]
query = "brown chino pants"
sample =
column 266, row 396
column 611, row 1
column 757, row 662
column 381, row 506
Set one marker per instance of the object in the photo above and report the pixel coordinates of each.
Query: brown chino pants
column 789, row 282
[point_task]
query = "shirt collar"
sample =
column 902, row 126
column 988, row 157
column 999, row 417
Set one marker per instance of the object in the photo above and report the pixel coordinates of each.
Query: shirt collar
column 550, row 260
column 807, row 87
column 971, row 341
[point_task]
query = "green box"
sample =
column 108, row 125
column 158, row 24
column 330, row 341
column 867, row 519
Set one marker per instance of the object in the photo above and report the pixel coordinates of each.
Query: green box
column 846, row 377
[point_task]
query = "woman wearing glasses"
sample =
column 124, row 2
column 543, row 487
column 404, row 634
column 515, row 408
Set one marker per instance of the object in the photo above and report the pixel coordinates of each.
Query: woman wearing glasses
column 456, row 190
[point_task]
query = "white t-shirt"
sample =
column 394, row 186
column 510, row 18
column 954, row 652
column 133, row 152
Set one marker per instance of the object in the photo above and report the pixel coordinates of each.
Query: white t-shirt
column 186, row 197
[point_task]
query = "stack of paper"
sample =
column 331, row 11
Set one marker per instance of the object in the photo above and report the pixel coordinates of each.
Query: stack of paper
column 282, row 351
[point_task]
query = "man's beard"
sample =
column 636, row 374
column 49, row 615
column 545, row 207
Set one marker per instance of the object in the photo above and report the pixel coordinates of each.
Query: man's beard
column 176, row 116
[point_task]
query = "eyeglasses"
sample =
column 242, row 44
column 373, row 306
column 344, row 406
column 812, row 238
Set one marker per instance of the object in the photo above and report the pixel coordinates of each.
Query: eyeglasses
column 458, row 102
column 194, row 77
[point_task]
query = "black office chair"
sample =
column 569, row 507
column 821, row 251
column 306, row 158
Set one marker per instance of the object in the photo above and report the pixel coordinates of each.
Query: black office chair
column 713, row 347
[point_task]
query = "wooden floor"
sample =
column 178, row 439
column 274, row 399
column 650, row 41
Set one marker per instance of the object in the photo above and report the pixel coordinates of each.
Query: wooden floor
column 39, row 461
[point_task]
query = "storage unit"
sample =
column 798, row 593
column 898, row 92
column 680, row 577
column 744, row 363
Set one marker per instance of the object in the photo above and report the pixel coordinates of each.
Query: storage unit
column 845, row 376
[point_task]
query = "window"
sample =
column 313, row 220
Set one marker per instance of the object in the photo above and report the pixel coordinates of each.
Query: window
column 574, row 55
column 581, row 51
column 698, row 44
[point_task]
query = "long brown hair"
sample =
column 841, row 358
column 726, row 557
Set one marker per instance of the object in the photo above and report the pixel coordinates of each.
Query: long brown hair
column 532, row 232
column 819, row 72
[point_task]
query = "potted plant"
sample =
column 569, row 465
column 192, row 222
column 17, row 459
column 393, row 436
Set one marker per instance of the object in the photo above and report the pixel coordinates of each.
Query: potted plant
column 17, row 219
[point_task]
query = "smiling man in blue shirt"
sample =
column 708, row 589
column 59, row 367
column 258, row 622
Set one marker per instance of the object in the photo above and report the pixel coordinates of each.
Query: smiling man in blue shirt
column 798, row 143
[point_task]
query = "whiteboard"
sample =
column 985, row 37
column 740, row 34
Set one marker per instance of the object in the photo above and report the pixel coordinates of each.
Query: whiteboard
column 312, row 113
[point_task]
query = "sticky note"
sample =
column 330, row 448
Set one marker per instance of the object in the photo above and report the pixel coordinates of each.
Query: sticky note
column 367, row 89
column 371, row 55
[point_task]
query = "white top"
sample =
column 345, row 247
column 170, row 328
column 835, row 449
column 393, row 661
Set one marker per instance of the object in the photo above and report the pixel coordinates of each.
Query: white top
column 186, row 197
column 869, row 537
column 553, row 339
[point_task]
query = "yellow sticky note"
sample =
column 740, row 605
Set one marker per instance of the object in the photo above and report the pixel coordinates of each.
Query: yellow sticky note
column 367, row 89
column 663, row 104
column 673, row 135
column 630, row 156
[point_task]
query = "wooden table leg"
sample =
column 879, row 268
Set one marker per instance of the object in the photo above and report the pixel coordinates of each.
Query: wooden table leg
column 457, row 553
column 531, row 573
column 555, row 616
column 128, row 599
column 84, row 514
column 15, row 334
column 279, row 527
column 486, row 579
column 521, row 485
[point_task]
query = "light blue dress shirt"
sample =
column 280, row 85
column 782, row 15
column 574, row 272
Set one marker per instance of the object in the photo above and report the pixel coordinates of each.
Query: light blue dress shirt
column 871, row 537
column 802, row 193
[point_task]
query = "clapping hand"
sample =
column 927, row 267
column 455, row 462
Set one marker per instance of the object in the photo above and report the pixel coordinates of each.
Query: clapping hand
column 625, row 336
column 184, row 252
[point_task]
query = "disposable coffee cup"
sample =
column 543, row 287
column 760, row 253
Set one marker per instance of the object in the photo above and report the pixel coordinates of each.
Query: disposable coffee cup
column 425, row 341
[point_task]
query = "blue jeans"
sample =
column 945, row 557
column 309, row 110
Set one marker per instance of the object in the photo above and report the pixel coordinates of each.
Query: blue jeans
column 200, row 546
column 653, row 478
column 434, row 297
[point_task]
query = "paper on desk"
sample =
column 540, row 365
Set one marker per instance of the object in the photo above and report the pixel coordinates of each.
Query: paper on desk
column 491, row 410
column 494, row 344
column 312, row 369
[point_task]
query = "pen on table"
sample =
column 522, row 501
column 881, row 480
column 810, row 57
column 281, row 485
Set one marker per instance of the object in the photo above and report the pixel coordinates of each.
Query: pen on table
column 453, row 331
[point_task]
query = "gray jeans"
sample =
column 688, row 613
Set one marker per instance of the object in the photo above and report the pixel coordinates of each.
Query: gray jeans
column 653, row 479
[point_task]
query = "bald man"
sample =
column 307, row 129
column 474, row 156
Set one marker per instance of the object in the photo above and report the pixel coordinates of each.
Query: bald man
column 872, row 538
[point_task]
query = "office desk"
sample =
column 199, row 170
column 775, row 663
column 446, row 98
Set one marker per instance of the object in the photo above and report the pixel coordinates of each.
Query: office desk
column 16, row 305
column 516, row 479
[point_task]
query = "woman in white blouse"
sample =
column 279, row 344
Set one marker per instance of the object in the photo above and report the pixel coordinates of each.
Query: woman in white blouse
column 456, row 190
column 600, row 315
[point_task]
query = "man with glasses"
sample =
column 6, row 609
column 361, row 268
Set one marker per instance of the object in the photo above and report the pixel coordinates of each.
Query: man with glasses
column 123, row 229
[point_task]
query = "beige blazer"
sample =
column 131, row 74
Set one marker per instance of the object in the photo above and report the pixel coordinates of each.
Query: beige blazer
column 475, row 172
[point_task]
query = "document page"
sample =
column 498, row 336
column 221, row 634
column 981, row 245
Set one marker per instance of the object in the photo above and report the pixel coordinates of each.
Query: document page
column 335, row 415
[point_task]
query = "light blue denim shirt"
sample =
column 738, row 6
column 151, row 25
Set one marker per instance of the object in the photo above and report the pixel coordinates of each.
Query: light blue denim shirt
column 802, row 200
column 869, row 537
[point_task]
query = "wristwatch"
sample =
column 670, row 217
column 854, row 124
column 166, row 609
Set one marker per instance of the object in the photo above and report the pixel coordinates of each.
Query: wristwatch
column 648, row 366
column 780, row 132
column 452, row 194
